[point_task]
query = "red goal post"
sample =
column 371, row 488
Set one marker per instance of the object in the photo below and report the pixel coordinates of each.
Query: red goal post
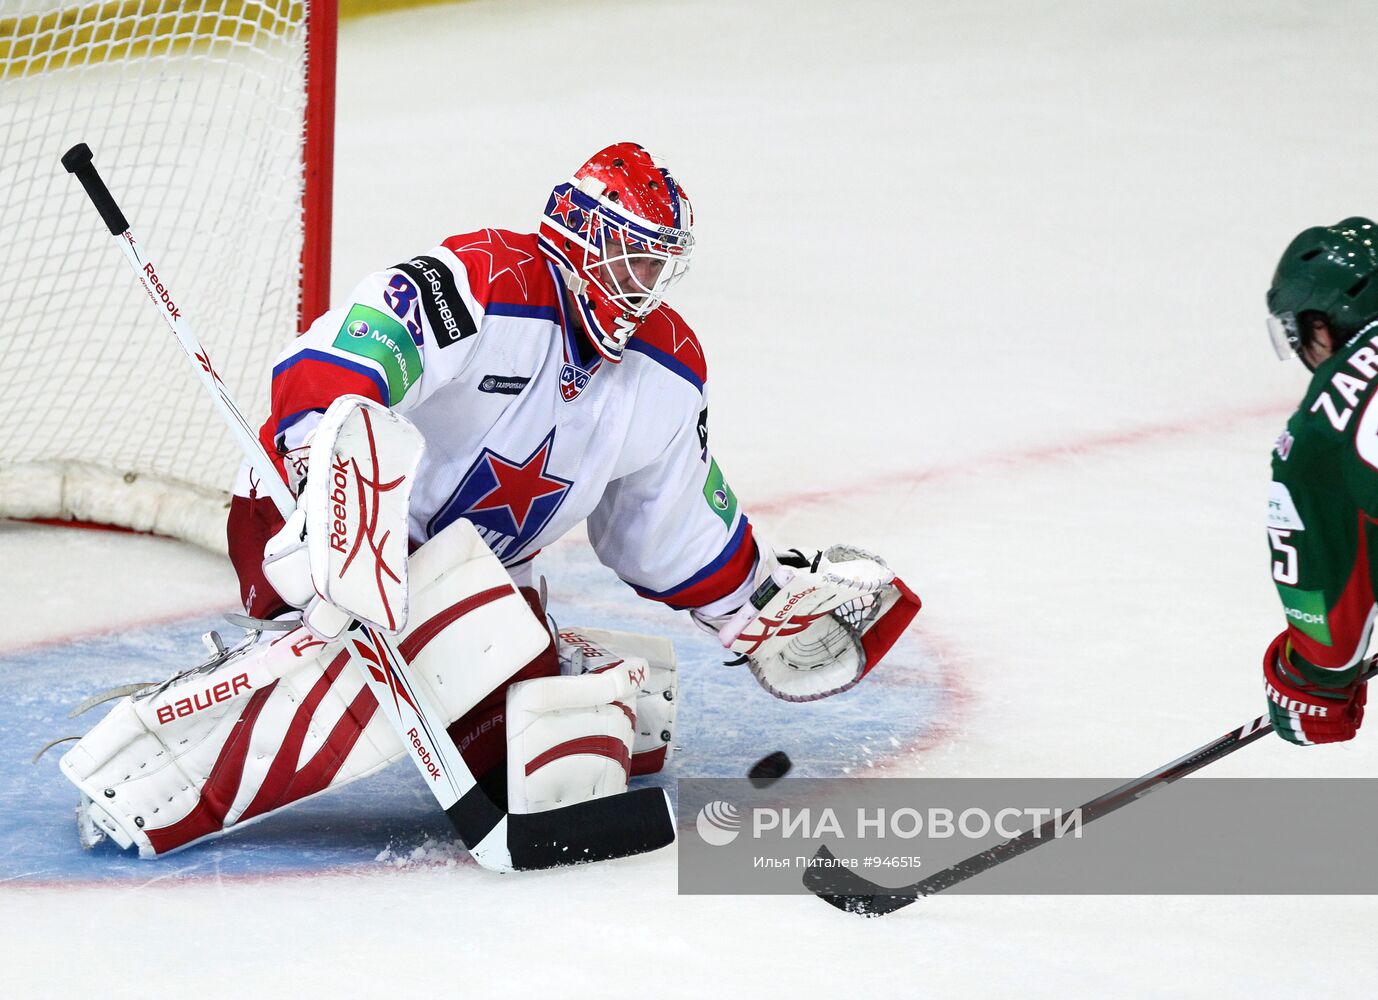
column 213, row 122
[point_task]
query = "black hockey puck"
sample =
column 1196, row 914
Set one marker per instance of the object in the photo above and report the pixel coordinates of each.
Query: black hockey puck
column 769, row 769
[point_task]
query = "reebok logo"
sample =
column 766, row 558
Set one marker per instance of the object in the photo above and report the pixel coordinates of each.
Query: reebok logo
column 158, row 293
column 795, row 599
column 424, row 754
column 339, row 525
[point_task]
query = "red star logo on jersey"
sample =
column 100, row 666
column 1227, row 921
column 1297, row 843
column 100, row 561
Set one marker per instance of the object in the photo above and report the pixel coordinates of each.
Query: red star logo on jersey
column 679, row 340
column 519, row 485
column 502, row 257
column 564, row 206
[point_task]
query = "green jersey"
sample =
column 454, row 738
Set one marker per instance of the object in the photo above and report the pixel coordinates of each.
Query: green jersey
column 1323, row 515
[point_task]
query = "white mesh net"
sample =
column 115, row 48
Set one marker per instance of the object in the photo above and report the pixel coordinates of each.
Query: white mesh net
column 194, row 111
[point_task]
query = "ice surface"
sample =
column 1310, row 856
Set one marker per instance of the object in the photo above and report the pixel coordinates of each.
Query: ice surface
column 981, row 285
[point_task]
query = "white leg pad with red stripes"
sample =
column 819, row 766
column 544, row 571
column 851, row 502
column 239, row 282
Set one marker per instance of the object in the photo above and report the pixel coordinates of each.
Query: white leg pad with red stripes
column 270, row 724
column 569, row 739
column 594, row 650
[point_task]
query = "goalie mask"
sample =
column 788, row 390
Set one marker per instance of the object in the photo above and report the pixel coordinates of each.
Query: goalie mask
column 621, row 233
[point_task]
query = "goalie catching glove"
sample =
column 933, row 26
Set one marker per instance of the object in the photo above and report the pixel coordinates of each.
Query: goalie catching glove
column 814, row 627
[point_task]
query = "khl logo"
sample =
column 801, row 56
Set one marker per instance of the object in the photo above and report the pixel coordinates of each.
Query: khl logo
column 719, row 823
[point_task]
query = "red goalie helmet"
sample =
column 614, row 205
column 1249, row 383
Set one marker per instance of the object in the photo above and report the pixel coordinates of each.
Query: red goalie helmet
column 621, row 233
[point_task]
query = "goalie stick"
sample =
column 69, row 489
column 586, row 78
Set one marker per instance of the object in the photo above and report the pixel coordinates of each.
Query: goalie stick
column 852, row 893
column 596, row 830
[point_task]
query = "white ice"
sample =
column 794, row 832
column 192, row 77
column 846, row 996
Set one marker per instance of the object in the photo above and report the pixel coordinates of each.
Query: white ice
column 981, row 286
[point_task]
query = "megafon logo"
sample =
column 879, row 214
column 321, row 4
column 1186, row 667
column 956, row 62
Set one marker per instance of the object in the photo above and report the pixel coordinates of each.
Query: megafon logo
column 719, row 823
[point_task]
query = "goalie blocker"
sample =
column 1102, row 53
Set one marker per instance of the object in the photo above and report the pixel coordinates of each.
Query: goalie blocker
column 268, row 724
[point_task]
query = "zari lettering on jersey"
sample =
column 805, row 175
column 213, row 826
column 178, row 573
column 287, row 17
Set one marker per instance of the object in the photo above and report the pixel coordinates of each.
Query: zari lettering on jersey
column 1365, row 362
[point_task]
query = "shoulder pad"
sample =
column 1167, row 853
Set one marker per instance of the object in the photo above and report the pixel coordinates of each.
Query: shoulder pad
column 666, row 338
column 504, row 266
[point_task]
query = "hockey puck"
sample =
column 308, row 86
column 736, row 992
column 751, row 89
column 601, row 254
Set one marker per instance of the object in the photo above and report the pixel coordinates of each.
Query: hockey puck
column 769, row 769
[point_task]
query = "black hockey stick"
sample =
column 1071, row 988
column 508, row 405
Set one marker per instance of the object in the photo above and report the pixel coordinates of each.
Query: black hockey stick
column 849, row 891
column 597, row 830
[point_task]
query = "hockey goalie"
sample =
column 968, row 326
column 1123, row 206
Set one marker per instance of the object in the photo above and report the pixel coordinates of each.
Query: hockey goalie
column 517, row 384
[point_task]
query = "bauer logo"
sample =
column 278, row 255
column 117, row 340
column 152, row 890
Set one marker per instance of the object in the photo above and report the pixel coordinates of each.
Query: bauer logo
column 719, row 823
column 202, row 700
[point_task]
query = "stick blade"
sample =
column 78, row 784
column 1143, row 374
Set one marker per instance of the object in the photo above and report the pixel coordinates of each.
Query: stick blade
column 849, row 892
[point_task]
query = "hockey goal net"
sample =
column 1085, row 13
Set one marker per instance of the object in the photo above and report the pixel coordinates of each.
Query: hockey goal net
column 211, row 121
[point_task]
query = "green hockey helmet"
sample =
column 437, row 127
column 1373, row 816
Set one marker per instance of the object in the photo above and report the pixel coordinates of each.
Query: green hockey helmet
column 1328, row 270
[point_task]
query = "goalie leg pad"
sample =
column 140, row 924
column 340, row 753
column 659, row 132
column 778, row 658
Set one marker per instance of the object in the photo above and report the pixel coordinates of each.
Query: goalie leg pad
column 480, row 734
column 269, row 724
column 569, row 756
column 569, row 739
column 226, row 743
column 591, row 650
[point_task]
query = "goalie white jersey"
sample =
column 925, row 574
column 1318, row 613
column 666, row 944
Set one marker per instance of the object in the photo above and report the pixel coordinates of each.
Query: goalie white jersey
column 528, row 430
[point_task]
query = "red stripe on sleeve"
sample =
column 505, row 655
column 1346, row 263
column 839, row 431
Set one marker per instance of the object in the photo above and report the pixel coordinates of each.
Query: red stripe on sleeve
column 731, row 575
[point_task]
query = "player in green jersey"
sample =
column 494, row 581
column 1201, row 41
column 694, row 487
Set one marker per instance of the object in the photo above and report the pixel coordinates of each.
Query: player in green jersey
column 1323, row 505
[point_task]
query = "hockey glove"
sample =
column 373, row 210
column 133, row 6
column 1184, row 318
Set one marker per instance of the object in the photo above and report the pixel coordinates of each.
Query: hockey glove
column 815, row 626
column 1303, row 712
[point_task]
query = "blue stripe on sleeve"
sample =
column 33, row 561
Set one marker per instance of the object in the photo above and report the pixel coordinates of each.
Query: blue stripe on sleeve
column 521, row 310
column 722, row 559
column 332, row 359
column 667, row 361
